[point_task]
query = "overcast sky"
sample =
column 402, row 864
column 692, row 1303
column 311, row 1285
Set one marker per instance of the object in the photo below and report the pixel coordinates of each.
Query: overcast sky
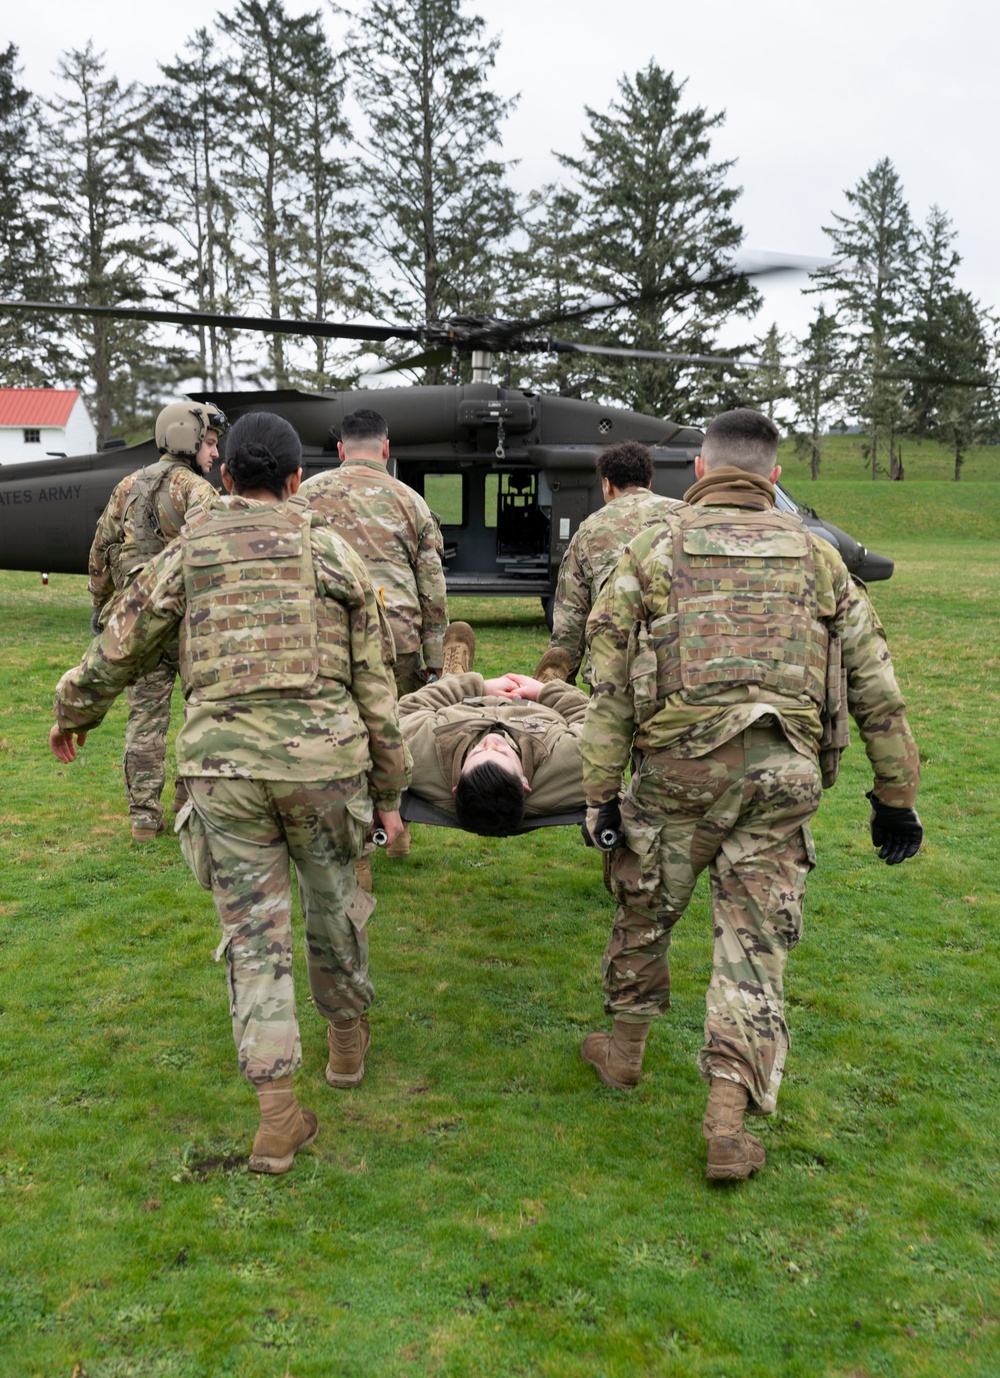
column 814, row 95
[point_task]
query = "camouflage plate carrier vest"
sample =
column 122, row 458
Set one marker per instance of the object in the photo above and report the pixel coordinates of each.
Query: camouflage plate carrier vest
column 143, row 536
column 253, row 619
column 740, row 622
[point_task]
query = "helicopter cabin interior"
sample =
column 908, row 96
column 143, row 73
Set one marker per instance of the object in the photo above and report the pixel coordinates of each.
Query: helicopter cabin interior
column 496, row 519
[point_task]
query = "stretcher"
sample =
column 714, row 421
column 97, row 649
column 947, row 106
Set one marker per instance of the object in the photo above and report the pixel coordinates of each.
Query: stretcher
column 416, row 810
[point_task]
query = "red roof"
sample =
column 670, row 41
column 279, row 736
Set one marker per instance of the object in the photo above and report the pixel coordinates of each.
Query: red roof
column 36, row 406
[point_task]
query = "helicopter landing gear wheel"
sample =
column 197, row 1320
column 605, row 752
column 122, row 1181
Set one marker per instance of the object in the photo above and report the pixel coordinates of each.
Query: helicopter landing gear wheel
column 548, row 608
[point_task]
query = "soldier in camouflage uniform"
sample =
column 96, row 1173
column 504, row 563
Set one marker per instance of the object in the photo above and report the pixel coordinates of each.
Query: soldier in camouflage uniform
column 711, row 647
column 145, row 512
column 626, row 472
column 290, row 747
column 399, row 540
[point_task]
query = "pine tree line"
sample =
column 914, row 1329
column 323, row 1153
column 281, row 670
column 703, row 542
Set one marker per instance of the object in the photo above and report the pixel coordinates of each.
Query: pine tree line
column 238, row 184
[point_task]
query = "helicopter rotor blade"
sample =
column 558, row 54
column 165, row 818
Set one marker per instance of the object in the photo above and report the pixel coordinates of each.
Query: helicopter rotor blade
column 763, row 265
column 469, row 333
column 777, row 365
column 430, row 358
column 661, row 355
column 267, row 325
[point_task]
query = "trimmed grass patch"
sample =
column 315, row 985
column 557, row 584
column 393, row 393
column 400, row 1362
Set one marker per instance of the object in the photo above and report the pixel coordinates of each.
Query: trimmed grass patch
column 480, row 1205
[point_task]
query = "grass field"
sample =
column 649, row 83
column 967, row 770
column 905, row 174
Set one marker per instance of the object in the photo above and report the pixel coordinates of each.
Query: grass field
column 480, row 1205
column 844, row 458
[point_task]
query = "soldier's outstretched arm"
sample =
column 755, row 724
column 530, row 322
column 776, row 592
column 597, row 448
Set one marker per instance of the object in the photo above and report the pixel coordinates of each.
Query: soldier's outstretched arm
column 142, row 625
column 610, row 722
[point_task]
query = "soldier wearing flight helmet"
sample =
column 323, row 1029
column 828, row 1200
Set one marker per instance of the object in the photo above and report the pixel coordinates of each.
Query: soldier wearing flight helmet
column 144, row 513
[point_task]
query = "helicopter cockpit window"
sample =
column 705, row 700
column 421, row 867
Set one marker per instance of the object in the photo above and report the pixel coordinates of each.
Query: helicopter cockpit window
column 784, row 501
column 444, row 494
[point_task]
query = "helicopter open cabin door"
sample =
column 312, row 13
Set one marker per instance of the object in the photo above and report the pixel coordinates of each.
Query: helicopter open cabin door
column 495, row 518
column 522, row 522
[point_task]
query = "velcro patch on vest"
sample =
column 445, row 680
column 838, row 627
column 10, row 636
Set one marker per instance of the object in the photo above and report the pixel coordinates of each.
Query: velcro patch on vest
column 732, row 541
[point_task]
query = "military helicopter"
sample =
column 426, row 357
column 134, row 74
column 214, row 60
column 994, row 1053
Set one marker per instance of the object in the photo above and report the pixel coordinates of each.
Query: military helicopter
column 510, row 472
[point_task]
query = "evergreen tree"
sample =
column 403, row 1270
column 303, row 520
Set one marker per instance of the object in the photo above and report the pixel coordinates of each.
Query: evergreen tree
column 929, row 346
column 869, row 280
column 99, row 201
column 264, row 122
column 442, row 212
column 816, row 388
column 546, row 272
column 657, row 216
column 30, row 355
column 327, row 240
column 769, row 386
column 193, row 149
column 964, row 414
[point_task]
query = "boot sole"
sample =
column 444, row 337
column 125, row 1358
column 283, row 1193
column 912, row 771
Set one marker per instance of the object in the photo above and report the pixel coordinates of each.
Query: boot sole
column 343, row 1081
column 734, row 1172
column 259, row 1162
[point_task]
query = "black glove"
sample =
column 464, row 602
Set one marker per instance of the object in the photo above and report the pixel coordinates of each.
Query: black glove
column 95, row 622
column 603, row 827
column 897, row 833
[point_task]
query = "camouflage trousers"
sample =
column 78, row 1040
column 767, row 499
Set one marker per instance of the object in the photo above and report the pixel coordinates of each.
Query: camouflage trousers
column 249, row 833
column 743, row 812
column 408, row 673
column 144, row 762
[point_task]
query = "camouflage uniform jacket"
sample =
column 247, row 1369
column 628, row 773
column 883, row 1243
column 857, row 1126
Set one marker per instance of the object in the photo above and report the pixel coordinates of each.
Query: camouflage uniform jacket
column 638, row 593
column 442, row 721
column 323, row 732
column 183, row 488
column 394, row 532
column 592, row 555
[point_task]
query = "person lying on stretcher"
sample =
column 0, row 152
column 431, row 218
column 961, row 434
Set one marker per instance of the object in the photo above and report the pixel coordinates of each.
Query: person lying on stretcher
column 495, row 752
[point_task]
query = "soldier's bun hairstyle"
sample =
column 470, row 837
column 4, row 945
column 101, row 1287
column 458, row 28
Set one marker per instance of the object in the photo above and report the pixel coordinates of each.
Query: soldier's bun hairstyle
column 744, row 438
column 626, row 465
column 490, row 800
column 261, row 451
column 364, row 426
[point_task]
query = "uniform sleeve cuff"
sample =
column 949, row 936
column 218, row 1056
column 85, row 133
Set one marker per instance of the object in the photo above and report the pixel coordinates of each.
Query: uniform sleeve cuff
column 434, row 652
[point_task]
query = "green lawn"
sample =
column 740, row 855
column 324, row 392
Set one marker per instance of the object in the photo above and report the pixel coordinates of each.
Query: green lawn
column 480, row 1205
column 844, row 458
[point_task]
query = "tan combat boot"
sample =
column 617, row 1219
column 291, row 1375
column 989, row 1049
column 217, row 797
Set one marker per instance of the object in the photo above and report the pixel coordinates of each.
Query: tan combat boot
column 144, row 834
column 459, row 649
column 348, row 1041
column 733, row 1154
column 617, row 1057
column 284, row 1127
column 554, row 664
column 363, row 873
column 401, row 846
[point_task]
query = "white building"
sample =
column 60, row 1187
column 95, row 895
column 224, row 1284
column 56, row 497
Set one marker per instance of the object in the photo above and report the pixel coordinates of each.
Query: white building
column 37, row 421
